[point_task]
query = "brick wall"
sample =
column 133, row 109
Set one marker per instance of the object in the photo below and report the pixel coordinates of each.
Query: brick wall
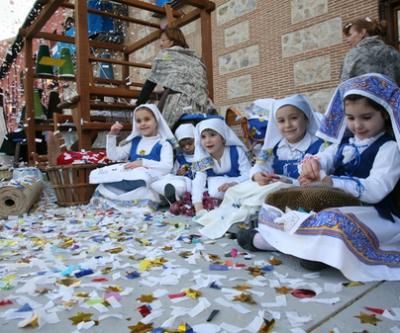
column 299, row 44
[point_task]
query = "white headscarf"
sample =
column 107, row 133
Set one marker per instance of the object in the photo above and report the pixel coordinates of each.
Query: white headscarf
column 377, row 87
column 184, row 131
column 163, row 129
column 273, row 134
column 202, row 159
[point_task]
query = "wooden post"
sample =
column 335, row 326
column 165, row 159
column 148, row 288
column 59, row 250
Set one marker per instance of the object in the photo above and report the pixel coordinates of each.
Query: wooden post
column 29, row 112
column 83, row 75
column 206, row 48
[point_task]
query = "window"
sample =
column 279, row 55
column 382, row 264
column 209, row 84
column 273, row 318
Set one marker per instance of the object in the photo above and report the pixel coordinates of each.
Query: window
column 389, row 10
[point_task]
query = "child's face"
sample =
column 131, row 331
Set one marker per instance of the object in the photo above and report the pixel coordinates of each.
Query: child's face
column 292, row 123
column 187, row 146
column 145, row 122
column 363, row 120
column 212, row 142
column 165, row 42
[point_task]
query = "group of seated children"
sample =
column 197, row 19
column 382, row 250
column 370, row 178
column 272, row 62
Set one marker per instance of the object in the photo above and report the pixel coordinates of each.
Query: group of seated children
column 362, row 122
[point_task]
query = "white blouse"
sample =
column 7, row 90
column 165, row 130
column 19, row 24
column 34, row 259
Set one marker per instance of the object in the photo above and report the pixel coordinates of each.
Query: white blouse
column 224, row 165
column 146, row 144
column 383, row 177
column 286, row 151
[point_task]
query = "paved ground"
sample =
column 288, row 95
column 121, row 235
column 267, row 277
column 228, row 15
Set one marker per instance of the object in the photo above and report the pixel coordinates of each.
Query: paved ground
column 160, row 263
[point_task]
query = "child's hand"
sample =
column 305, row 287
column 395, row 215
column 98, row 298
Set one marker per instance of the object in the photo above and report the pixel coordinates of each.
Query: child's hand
column 224, row 187
column 134, row 164
column 116, row 128
column 264, row 178
column 310, row 170
column 182, row 171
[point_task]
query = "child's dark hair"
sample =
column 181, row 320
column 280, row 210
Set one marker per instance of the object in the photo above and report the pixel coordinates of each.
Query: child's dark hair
column 176, row 36
column 373, row 27
column 376, row 106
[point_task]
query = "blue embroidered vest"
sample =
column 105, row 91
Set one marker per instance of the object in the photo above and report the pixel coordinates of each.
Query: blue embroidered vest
column 360, row 167
column 154, row 155
column 184, row 163
column 234, row 171
column 288, row 168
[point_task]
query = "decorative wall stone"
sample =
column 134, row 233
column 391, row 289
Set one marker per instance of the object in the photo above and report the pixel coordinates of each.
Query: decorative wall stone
column 239, row 86
column 320, row 98
column 312, row 38
column 312, row 70
column 190, row 28
column 306, row 9
column 243, row 58
column 233, row 9
column 236, row 34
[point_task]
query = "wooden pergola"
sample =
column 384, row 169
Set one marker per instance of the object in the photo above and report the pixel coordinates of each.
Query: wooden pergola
column 87, row 85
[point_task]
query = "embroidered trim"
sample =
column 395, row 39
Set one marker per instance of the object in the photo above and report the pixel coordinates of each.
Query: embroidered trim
column 202, row 165
column 359, row 187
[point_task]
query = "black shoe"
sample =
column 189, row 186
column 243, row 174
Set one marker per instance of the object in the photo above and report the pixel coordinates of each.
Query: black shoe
column 245, row 239
column 169, row 193
column 313, row 266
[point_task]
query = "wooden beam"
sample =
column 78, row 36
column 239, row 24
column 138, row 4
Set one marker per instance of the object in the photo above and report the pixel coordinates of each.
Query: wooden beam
column 84, row 73
column 136, row 4
column 28, row 92
column 44, row 15
column 147, row 6
column 202, row 4
column 170, row 16
column 186, row 19
column 120, row 62
column 124, row 18
column 71, row 40
column 206, row 47
column 115, row 92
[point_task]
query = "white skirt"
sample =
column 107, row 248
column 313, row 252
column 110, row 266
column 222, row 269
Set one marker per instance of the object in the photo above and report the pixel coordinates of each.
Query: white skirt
column 240, row 202
column 355, row 240
column 182, row 184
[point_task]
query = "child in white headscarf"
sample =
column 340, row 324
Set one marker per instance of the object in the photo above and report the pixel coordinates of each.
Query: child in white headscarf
column 148, row 155
column 220, row 161
column 290, row 135
column 174, row 185
column 363, row 242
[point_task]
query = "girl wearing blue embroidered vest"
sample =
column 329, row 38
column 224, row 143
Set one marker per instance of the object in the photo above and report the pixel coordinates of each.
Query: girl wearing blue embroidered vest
column 362, row 241
column 149, row 156
column 220, row 161
column 173, row 186
column 290, row 136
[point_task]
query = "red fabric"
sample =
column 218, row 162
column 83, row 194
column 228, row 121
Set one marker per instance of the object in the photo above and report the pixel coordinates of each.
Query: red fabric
column 88, row 157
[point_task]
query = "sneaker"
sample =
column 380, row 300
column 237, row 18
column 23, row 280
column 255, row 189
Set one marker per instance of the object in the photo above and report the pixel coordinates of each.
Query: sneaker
column 313, row 266
column 245, row 239
column 169, row 193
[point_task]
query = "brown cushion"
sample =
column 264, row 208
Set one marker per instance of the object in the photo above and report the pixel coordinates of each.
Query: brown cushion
column 311, row 198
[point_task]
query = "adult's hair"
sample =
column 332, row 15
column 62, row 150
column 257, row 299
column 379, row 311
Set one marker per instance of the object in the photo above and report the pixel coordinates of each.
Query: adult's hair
column 176, row 36
column 373, row 27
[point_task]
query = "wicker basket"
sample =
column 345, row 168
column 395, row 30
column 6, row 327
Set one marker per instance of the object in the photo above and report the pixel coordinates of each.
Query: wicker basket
column 5, row 173
column 71, row 183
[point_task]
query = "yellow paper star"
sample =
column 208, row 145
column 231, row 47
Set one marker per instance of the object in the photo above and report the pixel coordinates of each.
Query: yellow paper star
column 115, row 250
column 192, row 293
column 256, row 271
column 114, row 288
column 69, row 282
column 242, row 287
column 167, row 248
column 146, row 298
column 352, row 284
column 366, row 318
column 106, row 270
column 141, row 328
column 80, row 317
column 244, row 298
column 275, row 261
column 267, row 326
column 283, row 290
